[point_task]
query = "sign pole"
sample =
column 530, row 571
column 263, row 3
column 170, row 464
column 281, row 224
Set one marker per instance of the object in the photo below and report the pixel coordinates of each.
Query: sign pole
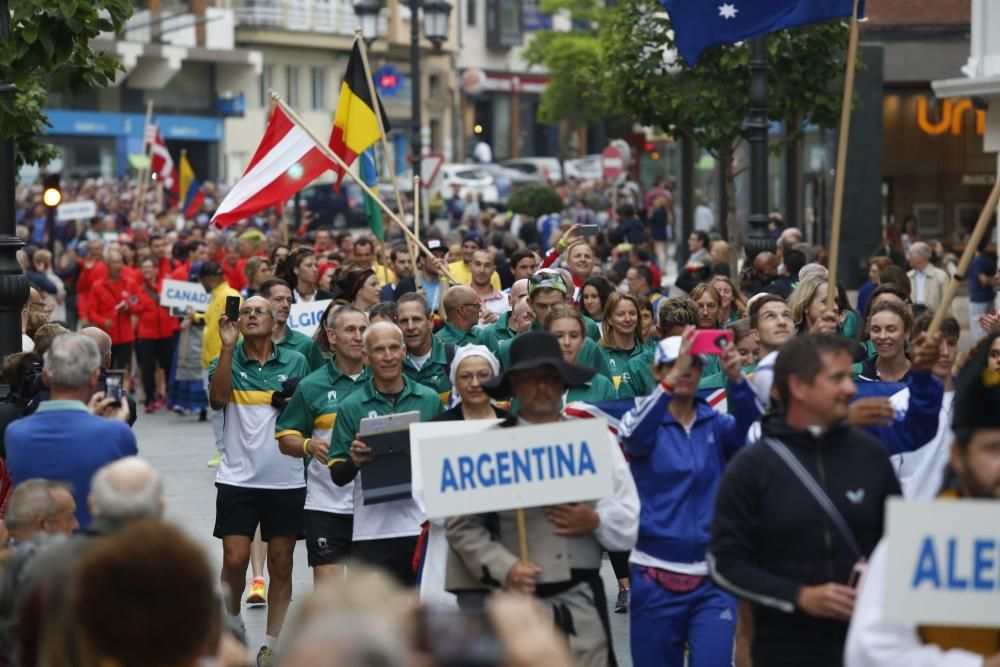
column 522, row 535
column 963, row 264
column 417, row 211
column 363, row 48
column 146, row 150
column 845, row 130
column 336, row 159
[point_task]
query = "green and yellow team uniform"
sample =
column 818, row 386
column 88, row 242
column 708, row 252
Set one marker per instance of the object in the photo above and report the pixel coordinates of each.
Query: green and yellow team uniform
column 434, row 373
column 304, row 345
column 311, row 413
column 398, row 518
column 250, row 456
column 492, row 335
column 618, row 360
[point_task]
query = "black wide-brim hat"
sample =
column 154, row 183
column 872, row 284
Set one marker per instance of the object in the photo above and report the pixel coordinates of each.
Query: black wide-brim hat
column 535, row 349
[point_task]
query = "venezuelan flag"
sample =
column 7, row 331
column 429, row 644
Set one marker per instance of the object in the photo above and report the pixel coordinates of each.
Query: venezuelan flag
column 370, row 176
column 190, row 188
column 355, row 127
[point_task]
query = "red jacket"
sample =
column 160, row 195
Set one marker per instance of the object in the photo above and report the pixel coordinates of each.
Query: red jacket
column 115, row 301
column 182, row 273
column 234, row 275
column 166, row 265
column 85, row 283
column 154, row 320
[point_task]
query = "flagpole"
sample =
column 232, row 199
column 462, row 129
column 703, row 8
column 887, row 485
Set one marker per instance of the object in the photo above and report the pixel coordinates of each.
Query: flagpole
column 416, row 207
column 339, row 161
column 963, row 264
column 376, row 107
column 841, row 173
column 144, row 173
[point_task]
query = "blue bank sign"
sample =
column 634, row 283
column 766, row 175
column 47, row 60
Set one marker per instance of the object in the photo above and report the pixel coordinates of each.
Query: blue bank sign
column 945, row 562
column 509, row 468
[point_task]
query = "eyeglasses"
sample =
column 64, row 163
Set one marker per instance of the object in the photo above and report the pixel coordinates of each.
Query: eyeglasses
column 482, row 376
column 469, row 305
column 259, row 311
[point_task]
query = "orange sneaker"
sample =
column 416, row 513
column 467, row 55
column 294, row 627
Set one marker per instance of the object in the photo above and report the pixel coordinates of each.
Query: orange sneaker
column 258, row 591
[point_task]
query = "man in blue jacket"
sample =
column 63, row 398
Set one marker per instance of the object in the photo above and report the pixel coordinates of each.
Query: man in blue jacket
column 678, row 446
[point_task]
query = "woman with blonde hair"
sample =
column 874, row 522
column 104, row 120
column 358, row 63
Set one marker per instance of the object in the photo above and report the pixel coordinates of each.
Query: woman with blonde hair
column 808, row 304
column 622, row 336
column 734, row 304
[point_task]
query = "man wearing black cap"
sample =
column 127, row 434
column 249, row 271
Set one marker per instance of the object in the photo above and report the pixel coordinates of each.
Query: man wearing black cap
column 211, row 277
column 565, row 542
column 462, row 269
column 872, row 639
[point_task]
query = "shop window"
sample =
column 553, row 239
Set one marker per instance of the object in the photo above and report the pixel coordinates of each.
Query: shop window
column 266, row 82
column 292, row 85
column 317, row 76
column 470, row 12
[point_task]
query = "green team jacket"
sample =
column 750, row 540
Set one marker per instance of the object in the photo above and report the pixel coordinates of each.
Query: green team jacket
column 434, row 372
column 305, row 346
column 312, row 409
column 365, row 401
column 492, row 335
column 449, row 333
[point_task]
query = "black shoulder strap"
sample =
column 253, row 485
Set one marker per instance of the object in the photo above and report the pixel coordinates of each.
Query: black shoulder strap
column 449, row 353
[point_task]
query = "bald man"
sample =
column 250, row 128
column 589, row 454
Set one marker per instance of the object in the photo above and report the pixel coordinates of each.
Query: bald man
column 129, row 489
column 462, row 310
column 504, row 329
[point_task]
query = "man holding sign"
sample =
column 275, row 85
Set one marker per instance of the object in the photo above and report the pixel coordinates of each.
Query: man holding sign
column 565, row 542
column 873, row 639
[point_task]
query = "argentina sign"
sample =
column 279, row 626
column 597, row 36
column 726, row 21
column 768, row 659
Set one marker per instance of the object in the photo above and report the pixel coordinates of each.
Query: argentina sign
column 945, row 558
column 510, row 468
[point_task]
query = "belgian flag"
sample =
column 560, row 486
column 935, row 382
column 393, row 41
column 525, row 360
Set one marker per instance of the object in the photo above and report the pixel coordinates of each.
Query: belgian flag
column 355, row 127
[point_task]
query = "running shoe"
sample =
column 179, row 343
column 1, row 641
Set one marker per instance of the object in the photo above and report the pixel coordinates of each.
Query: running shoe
column 621, row 605
column 258, row 592
column 215, row 461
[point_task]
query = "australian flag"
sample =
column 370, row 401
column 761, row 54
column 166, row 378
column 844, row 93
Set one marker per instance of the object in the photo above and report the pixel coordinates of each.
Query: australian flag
column 699, row 24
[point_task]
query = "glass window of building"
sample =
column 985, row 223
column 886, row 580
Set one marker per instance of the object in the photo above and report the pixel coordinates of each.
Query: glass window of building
column 470, row 12
column 318, row 88
column 266, row 83
column 292, row 85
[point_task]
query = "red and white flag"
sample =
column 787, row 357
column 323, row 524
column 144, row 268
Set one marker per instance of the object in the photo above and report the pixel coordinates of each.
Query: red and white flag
column 286, row 161
column 161, row 164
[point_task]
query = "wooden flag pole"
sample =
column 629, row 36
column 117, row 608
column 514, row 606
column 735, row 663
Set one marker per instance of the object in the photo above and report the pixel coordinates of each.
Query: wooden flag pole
column 363, row 49
column 416, row 209
column 144, row 173
column 841, row 173
column 963, row 264
column 522, row 535
column 336, row 159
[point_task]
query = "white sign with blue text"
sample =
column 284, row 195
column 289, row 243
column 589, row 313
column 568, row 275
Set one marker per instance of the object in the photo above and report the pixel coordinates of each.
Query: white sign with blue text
column 183, row 295
column 510, row 468
column 945, row 558
column 305, row 317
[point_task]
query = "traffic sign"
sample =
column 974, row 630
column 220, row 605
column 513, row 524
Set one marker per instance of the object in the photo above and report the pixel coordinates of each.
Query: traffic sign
column 430, row 169
column 612, row 163
column 76, row 210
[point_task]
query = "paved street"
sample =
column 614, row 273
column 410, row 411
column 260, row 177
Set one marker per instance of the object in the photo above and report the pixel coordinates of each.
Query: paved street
column 179, row 448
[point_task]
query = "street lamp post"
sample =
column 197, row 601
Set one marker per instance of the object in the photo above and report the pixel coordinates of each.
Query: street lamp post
column 435, row 15
column 13, row 283
column 758, row 239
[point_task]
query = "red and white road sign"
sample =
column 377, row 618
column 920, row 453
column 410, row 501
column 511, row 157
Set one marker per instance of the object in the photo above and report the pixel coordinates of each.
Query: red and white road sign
column 613, row 163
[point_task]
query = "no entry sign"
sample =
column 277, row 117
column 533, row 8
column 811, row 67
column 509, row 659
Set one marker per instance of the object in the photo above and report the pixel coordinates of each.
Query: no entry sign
column 613, row 163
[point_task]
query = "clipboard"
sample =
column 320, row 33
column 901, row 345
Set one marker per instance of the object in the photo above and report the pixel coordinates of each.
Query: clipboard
column 388, row 477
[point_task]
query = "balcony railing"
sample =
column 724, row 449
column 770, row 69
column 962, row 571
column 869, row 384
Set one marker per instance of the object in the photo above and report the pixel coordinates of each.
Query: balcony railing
column 326, row 16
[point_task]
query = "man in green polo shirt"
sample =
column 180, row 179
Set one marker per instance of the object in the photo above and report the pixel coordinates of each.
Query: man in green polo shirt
column 504, row 329
column 304, row 430
column 279, row 293
column 427, row 358
column 461, row 310
column 547, row 288
column 386, row 534
column 256, row 484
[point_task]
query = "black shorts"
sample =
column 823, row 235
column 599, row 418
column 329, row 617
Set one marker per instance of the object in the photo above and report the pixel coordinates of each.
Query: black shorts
column 394, row 555
column 121, row 356
column 328, row 537
column 238, row 511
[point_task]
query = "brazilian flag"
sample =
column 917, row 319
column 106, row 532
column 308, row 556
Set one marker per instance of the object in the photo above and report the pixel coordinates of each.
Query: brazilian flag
column 372, row 210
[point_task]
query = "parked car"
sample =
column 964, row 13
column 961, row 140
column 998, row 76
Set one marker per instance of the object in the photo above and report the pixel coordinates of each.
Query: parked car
column 507, row 180
column 539, row 169
column 337, row 210
column 586, row 168
column 468, row 178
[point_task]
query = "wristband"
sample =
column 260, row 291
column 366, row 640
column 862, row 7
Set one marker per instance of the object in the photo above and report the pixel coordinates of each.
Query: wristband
column 561, row 245
column 305, row 446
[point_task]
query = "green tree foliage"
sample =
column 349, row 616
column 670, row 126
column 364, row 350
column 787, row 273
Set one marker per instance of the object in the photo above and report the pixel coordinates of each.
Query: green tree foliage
column 49, row 51
column 535, row 200
column 710, row 103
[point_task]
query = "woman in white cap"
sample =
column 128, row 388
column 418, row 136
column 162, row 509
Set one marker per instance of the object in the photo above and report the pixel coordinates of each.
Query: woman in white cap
column 472, row 366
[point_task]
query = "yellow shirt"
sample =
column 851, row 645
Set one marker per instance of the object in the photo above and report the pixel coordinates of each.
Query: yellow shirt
column 385, row 276
column 211, row 344
column 463, row 274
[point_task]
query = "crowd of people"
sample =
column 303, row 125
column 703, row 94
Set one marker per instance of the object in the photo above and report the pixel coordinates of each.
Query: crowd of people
column 760, row 428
